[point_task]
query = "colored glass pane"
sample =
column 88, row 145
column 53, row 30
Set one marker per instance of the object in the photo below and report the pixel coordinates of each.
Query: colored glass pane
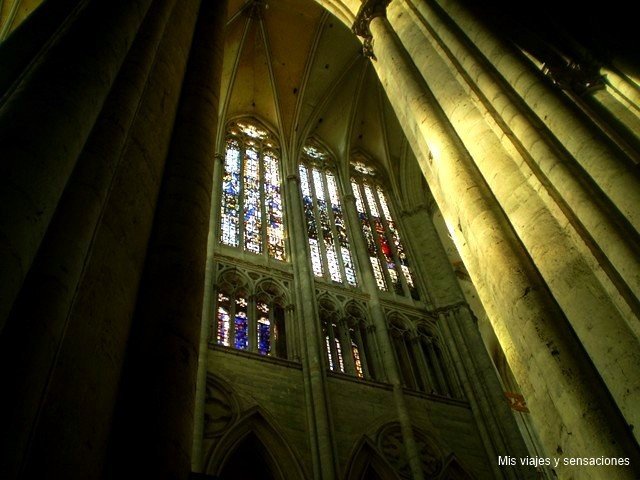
column 222, row 334
column 325, row 226
column 312, row 228
column 252, row 210
column 230, row 233
column 273, row 199
column 339, row 353
column 241, row 324
column 339, row 221
column 356, row 359
column 329, row 356
column 368, row 237
column 264, row 329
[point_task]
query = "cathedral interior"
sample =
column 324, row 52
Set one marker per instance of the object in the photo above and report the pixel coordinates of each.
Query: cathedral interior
column 319, row 239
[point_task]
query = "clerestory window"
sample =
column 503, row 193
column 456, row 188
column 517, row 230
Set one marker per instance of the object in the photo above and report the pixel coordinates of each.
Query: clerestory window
column 251, row 214
column 331, row 256
column 386, row 251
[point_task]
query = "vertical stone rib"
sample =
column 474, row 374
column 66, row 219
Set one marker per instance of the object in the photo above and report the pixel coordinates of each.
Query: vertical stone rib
column 44, row 124
column 385, row 346
column 313, row 359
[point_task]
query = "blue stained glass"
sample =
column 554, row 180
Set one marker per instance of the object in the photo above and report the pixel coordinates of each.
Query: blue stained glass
column 230, row 214
column 264, row 329
column 252, row 215
column 241, row 324
column 252, row 211
column 275, row 226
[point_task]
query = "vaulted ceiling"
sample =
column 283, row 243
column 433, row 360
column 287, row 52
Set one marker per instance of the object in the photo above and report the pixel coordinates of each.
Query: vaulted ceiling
column 293, row 65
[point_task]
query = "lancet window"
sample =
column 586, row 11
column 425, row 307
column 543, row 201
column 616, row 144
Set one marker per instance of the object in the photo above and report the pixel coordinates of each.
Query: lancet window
column 386, row 250
column 346, row 339
column 423, row 363
column 251, row 207
column 331, row 256
column 250, row 320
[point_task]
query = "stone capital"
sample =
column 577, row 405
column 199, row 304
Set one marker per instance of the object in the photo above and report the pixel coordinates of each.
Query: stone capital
column 369, row 10
column 294, row 177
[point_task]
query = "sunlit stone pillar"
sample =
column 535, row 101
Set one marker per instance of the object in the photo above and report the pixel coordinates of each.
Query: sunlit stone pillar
column 567, row 397
column 598, row 227
column 543, row 216
column 603, row 164
column 497, row 427
column 310, row 336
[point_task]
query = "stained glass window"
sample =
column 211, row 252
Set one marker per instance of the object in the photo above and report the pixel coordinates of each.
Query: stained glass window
column 386, row 250
column 251, row 207
column 245, row 324
column 230, row 332
column 331, row 256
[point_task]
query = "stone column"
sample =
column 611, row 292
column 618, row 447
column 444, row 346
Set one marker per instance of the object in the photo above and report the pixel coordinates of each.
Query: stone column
column 37, row 326
column 526, row 316
column 75, row 414
column 163, row 352
column 33, row 36
column 45, row 120
column 208, row 302
column 385, row 346
column 569, row 260
column 584, row 142
column 316, row 392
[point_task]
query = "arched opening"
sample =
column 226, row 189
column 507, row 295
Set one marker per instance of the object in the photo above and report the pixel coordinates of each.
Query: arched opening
column 367, row 464
column 250, row 460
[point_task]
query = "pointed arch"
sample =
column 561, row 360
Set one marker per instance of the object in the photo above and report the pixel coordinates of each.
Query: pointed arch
column 257, row 429
column 366, row 463
column 454, row 470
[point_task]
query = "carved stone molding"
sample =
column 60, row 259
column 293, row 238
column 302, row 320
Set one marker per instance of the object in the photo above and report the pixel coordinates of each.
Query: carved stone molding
column 369, row 10
column 581, row 79
column 221, row 409
column 391, row 445
column 294, row 177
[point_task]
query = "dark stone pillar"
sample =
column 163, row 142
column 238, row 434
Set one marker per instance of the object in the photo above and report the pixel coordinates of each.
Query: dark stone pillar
column 45, row 120
column 34, row 36
column 157, row 396
column 68, row 439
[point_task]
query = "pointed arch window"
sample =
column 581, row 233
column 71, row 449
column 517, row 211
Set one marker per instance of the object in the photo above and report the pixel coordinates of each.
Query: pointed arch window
column 251, row 207
column 252, row 321
column 387, row 253
column 331, row 256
